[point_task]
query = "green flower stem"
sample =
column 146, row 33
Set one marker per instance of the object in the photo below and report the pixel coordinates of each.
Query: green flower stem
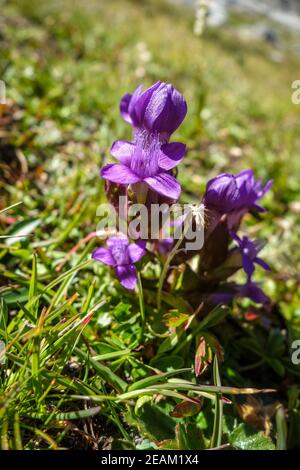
column 170, row 257
column 142, row 305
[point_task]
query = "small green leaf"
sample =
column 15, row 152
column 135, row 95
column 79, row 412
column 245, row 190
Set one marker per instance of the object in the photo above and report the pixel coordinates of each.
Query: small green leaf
column 173, row 318
column 169, row 343
column 155, row 423
column 245, row 438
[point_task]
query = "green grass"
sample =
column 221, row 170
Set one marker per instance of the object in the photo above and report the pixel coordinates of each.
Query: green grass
column 67, row 384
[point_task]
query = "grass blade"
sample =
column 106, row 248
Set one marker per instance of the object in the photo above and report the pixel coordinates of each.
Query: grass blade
column 216, row 439
column 104, row 372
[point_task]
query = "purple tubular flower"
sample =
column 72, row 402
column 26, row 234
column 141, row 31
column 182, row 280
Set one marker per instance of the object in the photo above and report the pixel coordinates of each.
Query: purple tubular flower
column 249, row 251
column 227, row 193
column 222, row 193
column 159, row 109
column 146, row 161
column 121, row 255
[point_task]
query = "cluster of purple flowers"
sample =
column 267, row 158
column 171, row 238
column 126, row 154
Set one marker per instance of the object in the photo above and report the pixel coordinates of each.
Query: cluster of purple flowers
column 145, row 163
column 227, row 199
column 146, row 167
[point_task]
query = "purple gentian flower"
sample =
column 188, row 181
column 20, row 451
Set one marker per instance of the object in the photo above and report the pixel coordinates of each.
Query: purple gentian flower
column 249, row 251
column 146, row 161
column 159, row 110
column 227, row 193
column 121, row 255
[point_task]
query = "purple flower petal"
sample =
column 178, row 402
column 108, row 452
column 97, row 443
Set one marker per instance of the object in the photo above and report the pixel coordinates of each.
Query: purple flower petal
column 253, row 292
column 159, row 109
column 245, row 176
column 118, row 246
column 144, row 159
column 248, row 265
column 103, row 255
column 221, row 298
column 164, row 184
column 258, row 208
column 235, row 237
column 133, row 108
column 262, row 263
column 171, row 155
column 136, row 251
column 156, row 104
column 166, row 110
column 139, row 106
column 222, row 193
column 128, row 107
column 119, row 173
column 119, row 240
column 124, row 105
column 127, row 276
column 122, row 150
column 265, row 189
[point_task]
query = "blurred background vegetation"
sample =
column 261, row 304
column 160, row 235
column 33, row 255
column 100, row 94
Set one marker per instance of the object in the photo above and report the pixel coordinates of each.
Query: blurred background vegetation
column 66, row 64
